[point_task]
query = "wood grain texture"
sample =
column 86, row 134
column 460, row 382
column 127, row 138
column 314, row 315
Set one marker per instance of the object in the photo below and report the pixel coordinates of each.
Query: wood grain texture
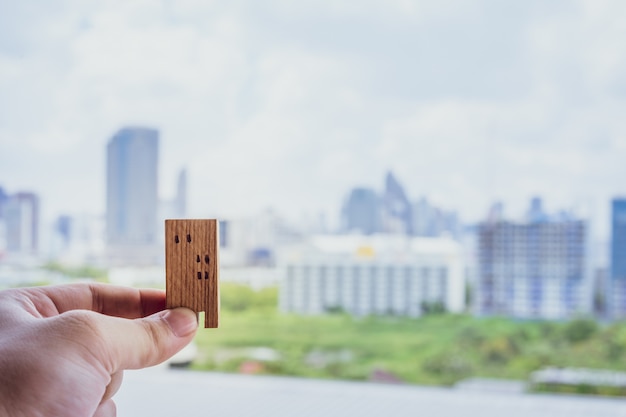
column 192, row 268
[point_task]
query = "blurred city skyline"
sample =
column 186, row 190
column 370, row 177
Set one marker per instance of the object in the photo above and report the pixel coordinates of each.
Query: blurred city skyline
column 290, row 106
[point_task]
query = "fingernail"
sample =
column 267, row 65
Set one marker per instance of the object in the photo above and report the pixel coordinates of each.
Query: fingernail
column 182, row 321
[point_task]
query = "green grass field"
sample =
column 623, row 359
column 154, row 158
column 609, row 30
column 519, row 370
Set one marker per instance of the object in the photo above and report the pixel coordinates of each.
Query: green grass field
column 437, row 349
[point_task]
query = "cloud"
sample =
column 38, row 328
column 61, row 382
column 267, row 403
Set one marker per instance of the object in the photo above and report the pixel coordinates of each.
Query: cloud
column 291, row 104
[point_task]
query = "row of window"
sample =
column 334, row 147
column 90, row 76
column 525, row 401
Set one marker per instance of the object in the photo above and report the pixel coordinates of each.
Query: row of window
column 310, row 290
column 372, row 270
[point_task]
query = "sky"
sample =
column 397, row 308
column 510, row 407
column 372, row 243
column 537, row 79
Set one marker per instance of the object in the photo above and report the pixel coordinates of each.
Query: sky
column 291, row 104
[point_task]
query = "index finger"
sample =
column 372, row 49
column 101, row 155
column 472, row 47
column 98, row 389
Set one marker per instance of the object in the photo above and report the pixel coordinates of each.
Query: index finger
column 107, row 299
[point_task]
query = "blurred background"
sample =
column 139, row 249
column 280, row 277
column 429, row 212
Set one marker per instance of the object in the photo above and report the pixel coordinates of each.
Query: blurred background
column 410, row 193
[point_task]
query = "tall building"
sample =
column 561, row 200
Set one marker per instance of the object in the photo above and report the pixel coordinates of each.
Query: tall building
column 3, row 199
column 79, row 239
column 533, row 269
column 496, row 212
column 423, row 218
column 617, row 284
column 535, row 212
column 21, row 217
column 132, row 187
column 63, row 228
column 431, row 221
column 172, row 208
column 397, row 210
column 362, row 212
column 372, row 275
column 181, row 194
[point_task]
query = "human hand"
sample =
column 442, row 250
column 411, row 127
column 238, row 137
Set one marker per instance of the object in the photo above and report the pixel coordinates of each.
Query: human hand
column 63, row 348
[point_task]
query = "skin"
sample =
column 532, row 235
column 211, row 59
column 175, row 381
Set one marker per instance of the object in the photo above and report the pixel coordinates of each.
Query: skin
column 63, row 349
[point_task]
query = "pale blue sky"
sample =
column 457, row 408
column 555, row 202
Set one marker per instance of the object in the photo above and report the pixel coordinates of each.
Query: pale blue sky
column 289, row 104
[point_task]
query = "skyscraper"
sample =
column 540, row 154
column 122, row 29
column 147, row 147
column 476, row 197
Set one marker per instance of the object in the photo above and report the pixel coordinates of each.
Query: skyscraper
column 431, row 221
column 361, row 212
column 535, row 212
column 21, row 216
column 181, row 195
column 617, row 287
column 397, row 210
column 63, row 228
column 132, row 187
column 3, row 198
column 423, row 218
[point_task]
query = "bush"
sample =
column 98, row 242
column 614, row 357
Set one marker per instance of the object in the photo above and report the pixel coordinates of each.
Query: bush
column 580, row 330
column 85, row 271
column 433, row 307
column 498, row 350
column 470, row 336
column 335, row 310
column 238, row 297
column 451, row 366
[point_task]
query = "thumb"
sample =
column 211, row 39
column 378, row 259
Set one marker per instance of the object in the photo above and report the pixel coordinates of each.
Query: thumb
column 139, row 343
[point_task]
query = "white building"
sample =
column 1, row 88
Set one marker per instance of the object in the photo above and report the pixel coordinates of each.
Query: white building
column 380, row 274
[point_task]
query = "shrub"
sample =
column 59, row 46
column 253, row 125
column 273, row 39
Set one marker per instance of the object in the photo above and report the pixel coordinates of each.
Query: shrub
column 580, row 330
column 238, row 297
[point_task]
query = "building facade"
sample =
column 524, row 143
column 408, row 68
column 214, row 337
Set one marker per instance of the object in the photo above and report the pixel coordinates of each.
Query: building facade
column 533, row 269
column 397, row 210
column 181, row 195
column 21, row 218
column 361, row 212
column 132, row 187
column 373, row 275
column 431, row 221
column 616, row 296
